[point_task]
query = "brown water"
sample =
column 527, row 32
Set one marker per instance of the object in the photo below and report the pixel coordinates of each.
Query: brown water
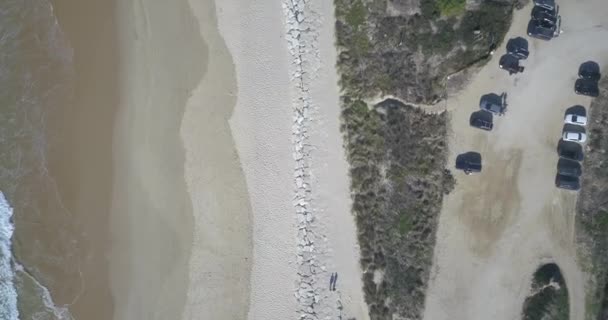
column 58, row 98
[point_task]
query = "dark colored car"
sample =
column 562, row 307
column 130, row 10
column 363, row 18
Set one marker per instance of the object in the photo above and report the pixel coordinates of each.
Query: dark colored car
column 586, row 87
column 567, row 182
column 493, row 103
column 469, row 162
column 570, row 150
column 510, row 63
column 569, row 168
column 589, row 70
column 549, row 4
column 542, row 29
column 518, row 47
column 481, row 122
column 541, row 13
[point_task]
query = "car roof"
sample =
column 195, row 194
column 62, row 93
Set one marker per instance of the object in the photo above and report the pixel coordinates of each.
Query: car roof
column 568, row 182
column 570, row 148
column 535, row 27
column 576, row 116
column 586, row 82
column 567, row 164
column 545, row 3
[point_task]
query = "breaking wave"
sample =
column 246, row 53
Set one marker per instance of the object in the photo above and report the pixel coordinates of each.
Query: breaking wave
column 8, row 293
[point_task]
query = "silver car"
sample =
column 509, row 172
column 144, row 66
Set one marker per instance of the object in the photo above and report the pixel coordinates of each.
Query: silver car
column 576, row 119
column 574, row 136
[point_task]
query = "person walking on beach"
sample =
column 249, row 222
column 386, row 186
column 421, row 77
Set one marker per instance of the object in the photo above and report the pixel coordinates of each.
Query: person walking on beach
column 335, row 280
column 331, row 280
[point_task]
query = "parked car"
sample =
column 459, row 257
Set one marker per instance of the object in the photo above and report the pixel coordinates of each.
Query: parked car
column 567, row 182
column 574, row 136
column 510, row 63
column 570, row 150
column 494, row 103
column 548, row 4
column 543, row 29
column 518, row 47
column 586, row 87
column 569, row 168
column 481, row 123
column 542, row 13
column 575, row 119
column 469, row 162
column 589, row 70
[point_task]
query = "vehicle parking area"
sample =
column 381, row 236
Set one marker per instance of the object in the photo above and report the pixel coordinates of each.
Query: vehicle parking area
column 500, row 224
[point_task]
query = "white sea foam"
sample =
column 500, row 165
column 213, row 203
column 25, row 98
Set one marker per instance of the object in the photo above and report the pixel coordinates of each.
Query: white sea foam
column 8, row 294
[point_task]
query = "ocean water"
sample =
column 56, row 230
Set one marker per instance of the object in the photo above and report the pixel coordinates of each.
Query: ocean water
column 35, row 75
column 8, row 293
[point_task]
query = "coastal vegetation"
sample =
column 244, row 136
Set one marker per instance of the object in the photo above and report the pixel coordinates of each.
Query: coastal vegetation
column 393, row 47
column 548, row 299
column 398, row 152
column 592, row 208
column 398, row 181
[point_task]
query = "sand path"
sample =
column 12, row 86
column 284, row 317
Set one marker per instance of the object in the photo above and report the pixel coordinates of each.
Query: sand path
column 497, row 227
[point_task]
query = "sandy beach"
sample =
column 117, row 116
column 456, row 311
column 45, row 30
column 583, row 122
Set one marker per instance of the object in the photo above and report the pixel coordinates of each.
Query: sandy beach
column 211, row 178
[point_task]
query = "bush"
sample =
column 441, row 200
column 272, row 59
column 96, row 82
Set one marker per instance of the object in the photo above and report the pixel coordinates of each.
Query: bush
column 398, row 178
column 451, row 7
column 549, row 298
column 356, row 14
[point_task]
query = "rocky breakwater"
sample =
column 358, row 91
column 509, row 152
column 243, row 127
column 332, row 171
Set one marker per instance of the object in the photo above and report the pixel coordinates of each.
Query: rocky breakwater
column 301, row 37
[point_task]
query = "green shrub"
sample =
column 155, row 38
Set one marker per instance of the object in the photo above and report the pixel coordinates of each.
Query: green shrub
column 451, row 7
column 405, row 224
column 356, row 15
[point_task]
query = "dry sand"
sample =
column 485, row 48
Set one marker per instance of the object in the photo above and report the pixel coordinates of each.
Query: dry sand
column 286, row 129
column 497, row 227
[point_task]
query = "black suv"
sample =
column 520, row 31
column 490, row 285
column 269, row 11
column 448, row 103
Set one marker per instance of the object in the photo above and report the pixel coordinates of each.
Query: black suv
column 542, row 29
column 567, row 182
column 481, row 120
column 569, row 168
column 586, row 87
column 544, row 14
column 549, row 4
column 494, row 103
column 510, row 63
column 570, row 150
column 589, row 70
column 518, row 47
column 469, row 162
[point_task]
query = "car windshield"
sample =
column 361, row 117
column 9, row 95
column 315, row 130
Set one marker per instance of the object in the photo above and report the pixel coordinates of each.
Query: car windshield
column 546, row 24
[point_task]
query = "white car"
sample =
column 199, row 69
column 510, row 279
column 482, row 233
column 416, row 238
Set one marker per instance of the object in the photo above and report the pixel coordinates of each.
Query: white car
column 575, row 136
column 574, row 119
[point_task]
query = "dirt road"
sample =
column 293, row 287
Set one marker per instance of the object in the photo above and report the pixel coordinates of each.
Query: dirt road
column 498, row 226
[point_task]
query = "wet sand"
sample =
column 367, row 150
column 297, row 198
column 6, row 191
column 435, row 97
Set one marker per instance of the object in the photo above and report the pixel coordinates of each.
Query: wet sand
column 220, row 263
column 155, row 76
column 119, row 163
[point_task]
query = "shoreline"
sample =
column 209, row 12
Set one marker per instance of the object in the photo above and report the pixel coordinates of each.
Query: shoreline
column 163, row 59
column 220, row 264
